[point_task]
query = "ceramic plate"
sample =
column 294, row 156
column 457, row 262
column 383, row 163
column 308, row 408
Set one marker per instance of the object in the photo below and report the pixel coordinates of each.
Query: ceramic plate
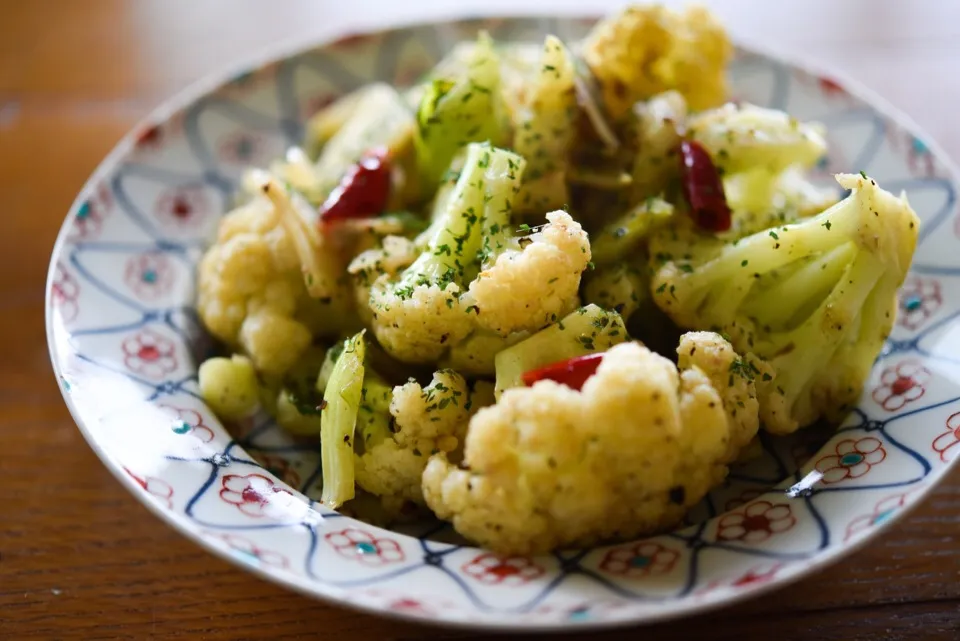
column 125, row 341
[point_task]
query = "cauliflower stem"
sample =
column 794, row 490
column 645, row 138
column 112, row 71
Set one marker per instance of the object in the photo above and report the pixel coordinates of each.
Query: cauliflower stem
column 588, row 330
column 411, row 311
column 341, row 404
column 816, row 299
column 456, row 111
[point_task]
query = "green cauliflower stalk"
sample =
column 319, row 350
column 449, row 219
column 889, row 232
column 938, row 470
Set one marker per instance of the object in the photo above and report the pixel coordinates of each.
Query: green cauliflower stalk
column 815, row 299
column 763, row 155
column 623, row 236
column 458, row 110
column 588, row 330
column 341, row 403
column 744, row 137
column 623, row 287
column 545, row 126
column 376, row 116
column 423, row 304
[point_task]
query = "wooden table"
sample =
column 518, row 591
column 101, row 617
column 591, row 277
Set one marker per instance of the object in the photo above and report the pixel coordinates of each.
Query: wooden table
column 80, row 558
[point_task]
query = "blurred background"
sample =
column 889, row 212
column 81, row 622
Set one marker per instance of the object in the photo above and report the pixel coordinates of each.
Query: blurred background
column 80, row 558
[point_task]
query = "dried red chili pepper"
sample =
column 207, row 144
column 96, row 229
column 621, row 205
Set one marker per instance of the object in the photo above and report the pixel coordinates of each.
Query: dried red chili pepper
column 572, row 372
column 363, row 191
column 703, row 188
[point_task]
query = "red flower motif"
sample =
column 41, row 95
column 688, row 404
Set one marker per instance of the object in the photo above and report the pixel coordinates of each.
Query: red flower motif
column 182, row 207
column 150, row 354
column 149, row 275
column 755, row 577
column 187, row 421
column 409, row 606
column 362, row 546
column 882, row 511
column 901, row 384
column 645, row 558
column 946, row 444
column 496, row 570
column 920, row 298
column 251, row 493
column 64, row 292
column 398, row 600
column 831, row 87
column 157, row 487
column 150, row 137
column 756, row 522
column 241, row 148
column 248, row 547
column 745, row 497
column 852, row 459
column 88, row 221
column 279, row 467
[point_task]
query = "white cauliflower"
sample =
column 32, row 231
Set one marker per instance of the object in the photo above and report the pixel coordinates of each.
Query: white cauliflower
column 474, row 272
column 815, row 299
column 400, row 429
column 269, row 284
column 418, row 314
column 550, row 467
column 393, row 256
column 535, row 284
column 645, row 50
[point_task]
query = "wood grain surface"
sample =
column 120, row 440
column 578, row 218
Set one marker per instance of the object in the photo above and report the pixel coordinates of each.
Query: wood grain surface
column 81, row 559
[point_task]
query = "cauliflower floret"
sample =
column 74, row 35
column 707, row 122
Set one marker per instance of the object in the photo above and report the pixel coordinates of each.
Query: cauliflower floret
column 418, row 314
column 529, row 288
column 474, row 271
column 762, row 155
column 418, row 325
column 733, row 377
column 396, row 254
column 645, row 50
column 418, row 422
column 545, row 125
column 464, row 106
column 267, row 287
column 621, row 51
column 275, row 342
column 696, row 63
column 815, row 299
column 549, row 466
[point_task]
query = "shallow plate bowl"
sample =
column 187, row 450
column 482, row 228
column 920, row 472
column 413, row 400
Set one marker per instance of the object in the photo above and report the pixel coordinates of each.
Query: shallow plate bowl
column 125, row 342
